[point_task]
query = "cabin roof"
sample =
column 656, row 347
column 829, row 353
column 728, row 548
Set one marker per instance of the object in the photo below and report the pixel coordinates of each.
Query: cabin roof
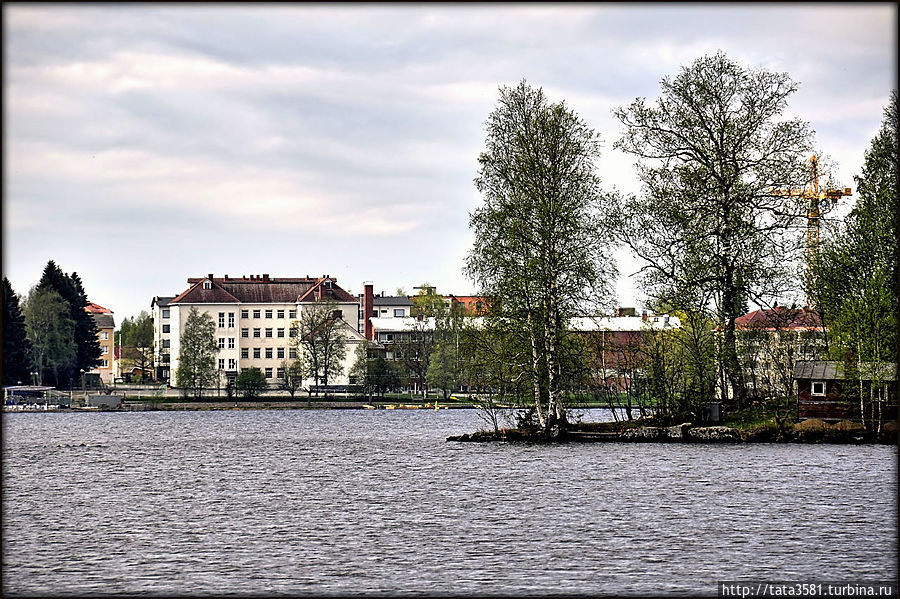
column 829, row 370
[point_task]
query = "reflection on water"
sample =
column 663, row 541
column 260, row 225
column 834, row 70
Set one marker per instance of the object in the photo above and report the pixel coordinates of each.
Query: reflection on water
column 375, row 502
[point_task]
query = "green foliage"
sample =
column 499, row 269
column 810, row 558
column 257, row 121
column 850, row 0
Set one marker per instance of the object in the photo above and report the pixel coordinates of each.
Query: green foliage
column 137, row 331
column 50, row 330
column 197, row 354
column 135, row 336
column 443, row 371
column 293, row 375
column 857, row 268
column 251, row 382
column 319, row 336
column 539, row 254
column 427, row 303
column 84, row 330
column 708, row 227
column 16, row 347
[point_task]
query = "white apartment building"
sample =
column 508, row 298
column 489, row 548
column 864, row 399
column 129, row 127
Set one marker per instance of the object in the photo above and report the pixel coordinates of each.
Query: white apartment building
column 253, row 316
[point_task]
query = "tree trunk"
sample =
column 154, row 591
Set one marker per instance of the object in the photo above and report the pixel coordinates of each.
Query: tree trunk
column 536, row 373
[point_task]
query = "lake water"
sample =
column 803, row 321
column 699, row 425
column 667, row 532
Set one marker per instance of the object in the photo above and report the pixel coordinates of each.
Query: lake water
column 377, row 502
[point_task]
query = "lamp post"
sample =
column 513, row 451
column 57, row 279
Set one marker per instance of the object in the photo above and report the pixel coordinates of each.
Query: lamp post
column 83, row 389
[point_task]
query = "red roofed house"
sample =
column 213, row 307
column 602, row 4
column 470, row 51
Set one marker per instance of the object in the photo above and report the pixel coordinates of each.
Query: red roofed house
column 106, row 326
column 253, row 318
column 771, row 341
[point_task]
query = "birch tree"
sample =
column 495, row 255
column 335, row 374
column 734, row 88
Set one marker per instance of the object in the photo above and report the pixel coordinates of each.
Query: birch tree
column 319, row 335
column 539, row 255
column 711, row 150
column 197, row 354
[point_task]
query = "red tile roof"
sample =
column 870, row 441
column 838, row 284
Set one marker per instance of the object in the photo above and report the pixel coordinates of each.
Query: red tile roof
column 97, row 309
column 261, row 290
column 780, row 318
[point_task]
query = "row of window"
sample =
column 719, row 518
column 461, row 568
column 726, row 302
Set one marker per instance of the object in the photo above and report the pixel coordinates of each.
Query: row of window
column 268, row 371
column 292, row 314
column 398, row 313
column 269, row 352
column 257, row 333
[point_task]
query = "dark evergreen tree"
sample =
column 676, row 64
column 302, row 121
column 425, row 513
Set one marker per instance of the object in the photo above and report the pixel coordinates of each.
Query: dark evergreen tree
column 70, row 288
column 85, row 327
column 16, row 347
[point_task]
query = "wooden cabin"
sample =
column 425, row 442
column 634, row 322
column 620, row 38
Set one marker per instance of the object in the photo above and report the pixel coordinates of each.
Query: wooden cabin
column 822, row 389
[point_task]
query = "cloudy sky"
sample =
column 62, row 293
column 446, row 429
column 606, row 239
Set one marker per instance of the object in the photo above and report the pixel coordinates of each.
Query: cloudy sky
column 145, row 144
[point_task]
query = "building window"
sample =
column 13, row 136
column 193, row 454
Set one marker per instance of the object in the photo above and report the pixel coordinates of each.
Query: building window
column 256, row 314
column 104, row 350
column 165, row 343
column 221, row 320
column 818, row 388
column 231, row 320
column 398, row 313
column 268, row 373
column 280, row 373
column 281, row 333
column 221, row 364
column 232, row 364
column 281, row 314
column 245, row 313
column 104, row 336
column 292, row 353
column 166, row 328
column 221, row 342
column 280, row 353
column 231, row 343
column 256, row 352
column 292, row 314
column 245, row 333
column 256, row 333
column 294, row 331
column 268, row 353
column 104, row 364
column 207, row 284
column 165, row 313
column 268, row 314
column 268, row 333
column 245, row 352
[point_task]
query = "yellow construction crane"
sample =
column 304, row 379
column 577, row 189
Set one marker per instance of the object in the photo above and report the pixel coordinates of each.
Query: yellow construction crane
column 819, row 200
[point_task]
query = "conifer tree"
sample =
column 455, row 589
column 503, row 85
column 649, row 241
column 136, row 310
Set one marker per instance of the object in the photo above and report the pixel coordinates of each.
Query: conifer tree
column 16, row 347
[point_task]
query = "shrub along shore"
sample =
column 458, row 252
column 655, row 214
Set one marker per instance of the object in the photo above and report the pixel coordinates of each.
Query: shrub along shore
column 646, row 430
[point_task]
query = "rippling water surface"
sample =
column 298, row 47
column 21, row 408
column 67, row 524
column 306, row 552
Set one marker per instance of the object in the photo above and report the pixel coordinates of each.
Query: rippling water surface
column 377, row 502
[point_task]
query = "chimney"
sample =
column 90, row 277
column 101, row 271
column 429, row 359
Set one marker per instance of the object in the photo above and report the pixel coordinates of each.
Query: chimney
column 226, row 277
column 210, row 276
column 265, row 277
column 368, row 305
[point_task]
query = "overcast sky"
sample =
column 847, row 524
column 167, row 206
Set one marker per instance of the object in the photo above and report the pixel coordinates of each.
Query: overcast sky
column 145, row 144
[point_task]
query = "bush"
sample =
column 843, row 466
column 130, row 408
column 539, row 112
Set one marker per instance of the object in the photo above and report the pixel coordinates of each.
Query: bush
column 251, row 382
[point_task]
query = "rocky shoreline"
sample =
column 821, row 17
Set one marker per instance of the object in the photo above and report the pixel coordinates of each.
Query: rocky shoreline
column 808, row 431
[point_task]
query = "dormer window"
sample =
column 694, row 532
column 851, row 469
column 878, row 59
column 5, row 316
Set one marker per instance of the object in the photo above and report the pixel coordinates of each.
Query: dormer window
column 207, row 284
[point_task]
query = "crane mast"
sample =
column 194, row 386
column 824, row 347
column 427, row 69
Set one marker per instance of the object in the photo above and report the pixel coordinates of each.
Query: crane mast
column 819, row 200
